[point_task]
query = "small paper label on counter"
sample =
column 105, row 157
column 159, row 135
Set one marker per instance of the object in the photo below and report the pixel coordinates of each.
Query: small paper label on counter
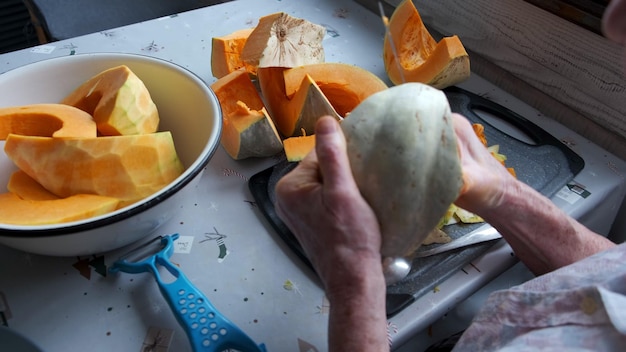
column 43, row 49
column 573, row 192
column 183, row 244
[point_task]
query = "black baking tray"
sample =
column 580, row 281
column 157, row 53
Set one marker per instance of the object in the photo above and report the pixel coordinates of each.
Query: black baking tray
column 539, row 159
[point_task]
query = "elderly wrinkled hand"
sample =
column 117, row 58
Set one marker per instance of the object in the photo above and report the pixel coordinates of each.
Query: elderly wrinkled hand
column 320, row 202
column 485, row 179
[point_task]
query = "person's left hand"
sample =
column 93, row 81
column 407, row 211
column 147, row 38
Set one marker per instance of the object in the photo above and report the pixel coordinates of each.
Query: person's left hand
column 321, row 204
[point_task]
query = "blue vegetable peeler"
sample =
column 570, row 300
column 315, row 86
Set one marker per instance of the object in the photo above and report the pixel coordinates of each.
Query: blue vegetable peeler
column 206, row 328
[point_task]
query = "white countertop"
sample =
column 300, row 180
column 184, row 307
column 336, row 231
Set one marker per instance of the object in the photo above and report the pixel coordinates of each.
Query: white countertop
column 68, row 304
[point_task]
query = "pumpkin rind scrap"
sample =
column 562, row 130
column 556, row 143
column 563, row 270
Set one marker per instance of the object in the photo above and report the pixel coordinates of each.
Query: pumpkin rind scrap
column 128, row 168
column 118, row 101
column 422, row 59
column 17, row 211
column 247, row 129
column 403, row 154
column 46, row 120
column 226, row 53
column 281, row 40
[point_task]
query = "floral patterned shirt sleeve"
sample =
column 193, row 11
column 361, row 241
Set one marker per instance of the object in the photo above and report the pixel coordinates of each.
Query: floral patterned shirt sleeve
column 579, row 307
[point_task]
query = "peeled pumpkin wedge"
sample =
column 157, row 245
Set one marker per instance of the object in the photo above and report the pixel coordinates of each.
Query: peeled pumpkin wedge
column 128, row 168
column 420, row 57
column 226, row 53
column 404, row 157
column 17, row 211
column 344, row 86
column 281, row 40
column 118, row 101
column 27, row 188
column 247, row 129
column 46, row 120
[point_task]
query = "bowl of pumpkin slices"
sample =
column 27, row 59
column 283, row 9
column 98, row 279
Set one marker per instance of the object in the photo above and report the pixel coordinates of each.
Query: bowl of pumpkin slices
column 98, row 150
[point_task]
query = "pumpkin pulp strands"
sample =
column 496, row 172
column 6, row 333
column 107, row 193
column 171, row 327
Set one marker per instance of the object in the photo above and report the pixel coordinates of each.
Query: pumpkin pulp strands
column 394, row 50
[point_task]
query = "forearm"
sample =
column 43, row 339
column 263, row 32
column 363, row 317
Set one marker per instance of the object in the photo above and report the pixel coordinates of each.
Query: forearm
column 357, row 320
column 541, row 235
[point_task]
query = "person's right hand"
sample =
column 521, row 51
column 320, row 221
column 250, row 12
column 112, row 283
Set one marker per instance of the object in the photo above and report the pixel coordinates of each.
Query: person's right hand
column 485, row 179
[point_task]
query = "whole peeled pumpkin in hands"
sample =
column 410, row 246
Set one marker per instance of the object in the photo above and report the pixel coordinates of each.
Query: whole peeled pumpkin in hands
column 404, row 157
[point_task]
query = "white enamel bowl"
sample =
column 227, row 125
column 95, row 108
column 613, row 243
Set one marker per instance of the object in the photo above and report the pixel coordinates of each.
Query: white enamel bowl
column 187, row 107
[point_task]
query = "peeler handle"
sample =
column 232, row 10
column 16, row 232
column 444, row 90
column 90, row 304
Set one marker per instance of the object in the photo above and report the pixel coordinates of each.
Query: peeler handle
column 206, row 328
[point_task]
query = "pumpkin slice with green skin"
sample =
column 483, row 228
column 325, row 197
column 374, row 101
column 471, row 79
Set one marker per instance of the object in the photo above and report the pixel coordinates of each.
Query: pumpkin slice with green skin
column 119, row 102
column 17, row 211
column 247, row 129
column 404, row 157
column 27, row 188
column 226, row 53
column 128, row 168
column 420, row 58
column 344, row 85
column 46, row 120
column 298, row 113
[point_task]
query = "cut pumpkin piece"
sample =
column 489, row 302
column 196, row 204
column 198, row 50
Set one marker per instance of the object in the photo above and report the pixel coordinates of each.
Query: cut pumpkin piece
column 118, row 101
column 226, row 53
column 17, row 211
column 296, row 148
column 27, row 188
column 285, row 90
column 247, row 129
column 299, row 113
column 129, row 168
column 420, row 58
column 46, row 120
column 344, row 85
column 281, row 40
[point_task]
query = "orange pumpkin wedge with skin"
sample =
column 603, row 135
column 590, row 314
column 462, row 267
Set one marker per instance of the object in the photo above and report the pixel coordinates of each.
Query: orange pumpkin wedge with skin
column 344, row 85
column 118, row 101
column 298, row 113
column 247, row 129
column 17, row 211
column 420, row 58
column 128, row 168
column 226, row 53
column 46, row 120
column 27, row 188
column 286, row 91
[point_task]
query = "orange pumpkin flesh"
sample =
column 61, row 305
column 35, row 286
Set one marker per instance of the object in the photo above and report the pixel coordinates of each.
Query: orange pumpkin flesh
column 226, row 53
column 46, row 120
column 247, row 130
column 344, row 85
column 295, row 114
column 125, row 167
column 421, row 58
column 286, row 90
column 281, row 40
column 27, row 188
column 118, row 101
column 296, row 148
column 18, row 211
